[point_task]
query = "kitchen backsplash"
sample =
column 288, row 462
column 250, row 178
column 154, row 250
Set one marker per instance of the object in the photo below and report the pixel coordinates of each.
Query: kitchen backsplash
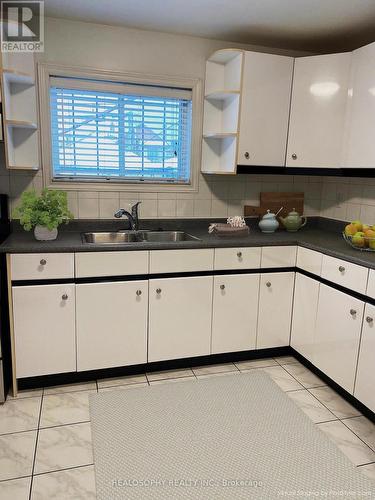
column 218, row 196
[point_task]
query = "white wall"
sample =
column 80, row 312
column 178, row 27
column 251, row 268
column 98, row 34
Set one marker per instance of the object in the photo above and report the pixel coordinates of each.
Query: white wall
column 108, row 47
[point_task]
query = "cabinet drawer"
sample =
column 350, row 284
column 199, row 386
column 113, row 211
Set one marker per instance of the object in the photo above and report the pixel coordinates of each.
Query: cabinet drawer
column 371, row 284
column 176, row 261
column 42, row 266
column 309, row 260
column 345, row 273
column 279, row 256
column 237, row 258
column 91, row 264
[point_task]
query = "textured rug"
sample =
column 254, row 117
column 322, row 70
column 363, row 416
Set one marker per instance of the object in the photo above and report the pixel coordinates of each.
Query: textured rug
column 228, row 437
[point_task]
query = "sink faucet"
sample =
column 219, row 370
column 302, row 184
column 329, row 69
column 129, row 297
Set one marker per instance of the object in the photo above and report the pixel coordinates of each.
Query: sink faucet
column 132, row 217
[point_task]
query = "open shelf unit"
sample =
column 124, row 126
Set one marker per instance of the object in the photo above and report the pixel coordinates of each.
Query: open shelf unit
column 20, row 115
column 223, row 87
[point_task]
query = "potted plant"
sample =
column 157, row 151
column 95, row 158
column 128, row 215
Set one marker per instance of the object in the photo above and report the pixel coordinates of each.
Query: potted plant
column 44, row 212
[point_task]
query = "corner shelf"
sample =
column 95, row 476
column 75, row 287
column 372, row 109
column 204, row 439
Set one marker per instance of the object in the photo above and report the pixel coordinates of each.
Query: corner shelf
column 14, row 76
column 21, row 124
column 222, row 95
column 219, row 135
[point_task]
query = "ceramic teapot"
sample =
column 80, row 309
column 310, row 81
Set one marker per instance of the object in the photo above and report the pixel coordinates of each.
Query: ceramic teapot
column 268, row 223
column 293, row 221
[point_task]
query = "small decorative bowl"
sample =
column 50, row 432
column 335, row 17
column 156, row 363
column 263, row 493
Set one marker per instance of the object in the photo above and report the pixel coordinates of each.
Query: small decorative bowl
column 364, row 248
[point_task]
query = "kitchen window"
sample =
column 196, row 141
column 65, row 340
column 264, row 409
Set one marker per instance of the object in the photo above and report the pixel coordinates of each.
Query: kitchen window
column 119, row 132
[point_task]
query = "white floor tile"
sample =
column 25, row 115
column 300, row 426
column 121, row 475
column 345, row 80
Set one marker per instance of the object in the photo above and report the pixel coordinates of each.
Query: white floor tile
column 282, row 378
column 123, row 387
column 220, row 368
column 17, row 454
column 285, row 360
column 368, row 470
column 304, row 376
column 172, row 380
column 67, row 408
column 311, row 406
column 72, row 484
column 19, row 415
column 59, row 389
column 255, row 363
column 29, row 393
column 220, row 374
column 129, row 379
column 165, row 374
column 348, row 442
column 364, row 429
column 334, row 402
column 63, row 447
column 15, row 489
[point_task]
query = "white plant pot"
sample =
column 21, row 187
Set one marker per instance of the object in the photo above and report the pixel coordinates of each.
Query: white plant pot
column 42, row 233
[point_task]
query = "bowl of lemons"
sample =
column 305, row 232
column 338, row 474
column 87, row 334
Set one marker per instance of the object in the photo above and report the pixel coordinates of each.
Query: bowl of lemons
column 360, row 236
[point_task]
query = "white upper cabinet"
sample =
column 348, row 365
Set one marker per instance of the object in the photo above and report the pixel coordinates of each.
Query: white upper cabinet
column 360, row 144
column 318, row 111
column 265, row 100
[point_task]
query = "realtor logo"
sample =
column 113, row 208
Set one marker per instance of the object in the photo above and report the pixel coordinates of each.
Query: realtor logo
column 22, row 26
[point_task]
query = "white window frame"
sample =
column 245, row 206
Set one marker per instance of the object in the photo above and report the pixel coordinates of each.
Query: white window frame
column 47, row 70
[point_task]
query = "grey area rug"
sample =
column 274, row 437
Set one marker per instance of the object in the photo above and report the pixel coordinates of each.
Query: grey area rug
column 228, row 437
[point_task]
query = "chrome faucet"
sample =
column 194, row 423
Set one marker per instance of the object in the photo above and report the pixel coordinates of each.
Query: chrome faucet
column 132, row 217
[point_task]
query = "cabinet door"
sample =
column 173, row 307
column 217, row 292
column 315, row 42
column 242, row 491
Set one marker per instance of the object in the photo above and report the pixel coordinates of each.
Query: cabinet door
column 275, row 309
column 360, row 144
column 305, row 306
column 111, row 324
column 180, row 311
column 266, row 88
column 365, row 381
column 235, row 312
column 44, row 329
column 337, row 333
column 318, row 110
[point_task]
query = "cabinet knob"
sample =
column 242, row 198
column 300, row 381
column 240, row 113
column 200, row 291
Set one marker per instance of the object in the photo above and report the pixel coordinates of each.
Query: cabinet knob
column 353, row 312
column 369, row 319
column 222, row 287
column 64, row 296
column 43, row 262
column 294, row 156
column 268, row 284
column 342, row 269
column 247, row 155
column 239, row 254
column 158, row 291
column 138, row 292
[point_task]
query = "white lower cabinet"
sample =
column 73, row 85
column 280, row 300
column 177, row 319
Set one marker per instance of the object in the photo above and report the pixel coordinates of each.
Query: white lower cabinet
column 305, row 307
column 275, row 309
column 235, row 313
column 365, row 382
column 337, row 335
column 180, row 311
column 111, row 324
column 44, row 329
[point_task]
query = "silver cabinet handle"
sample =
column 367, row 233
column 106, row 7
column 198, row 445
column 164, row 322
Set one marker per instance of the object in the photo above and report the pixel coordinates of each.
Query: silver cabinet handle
column 43, row 262
column 369, row 319
column 353, row 312
column 239, row 254
column 268, row 284
column 64, row 296
column 247, row 155
column 294, row 156
column 222, row 287
column 341, row 269
column 158, row 291
column 138, row 292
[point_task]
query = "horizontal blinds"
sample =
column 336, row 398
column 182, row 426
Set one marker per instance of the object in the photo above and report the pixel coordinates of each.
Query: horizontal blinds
column 101, row 134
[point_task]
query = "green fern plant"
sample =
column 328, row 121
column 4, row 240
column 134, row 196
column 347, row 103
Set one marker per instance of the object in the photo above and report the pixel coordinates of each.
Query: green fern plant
column 49, row 209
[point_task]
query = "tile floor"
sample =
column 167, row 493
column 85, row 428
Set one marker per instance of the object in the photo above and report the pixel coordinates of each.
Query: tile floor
column 45, row 435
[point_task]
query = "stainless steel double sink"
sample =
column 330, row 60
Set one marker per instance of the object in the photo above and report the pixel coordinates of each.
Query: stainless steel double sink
column 118, row 237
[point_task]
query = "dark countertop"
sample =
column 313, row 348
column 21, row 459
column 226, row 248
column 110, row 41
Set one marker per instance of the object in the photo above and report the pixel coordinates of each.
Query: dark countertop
column 322, row 235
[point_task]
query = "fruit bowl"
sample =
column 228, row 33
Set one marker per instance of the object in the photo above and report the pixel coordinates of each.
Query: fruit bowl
column 367, row 245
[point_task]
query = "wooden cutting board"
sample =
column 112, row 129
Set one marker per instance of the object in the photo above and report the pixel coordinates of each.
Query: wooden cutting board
column 274, row 201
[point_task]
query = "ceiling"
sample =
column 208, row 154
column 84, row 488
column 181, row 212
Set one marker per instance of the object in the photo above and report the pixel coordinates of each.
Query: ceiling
column 313, row 25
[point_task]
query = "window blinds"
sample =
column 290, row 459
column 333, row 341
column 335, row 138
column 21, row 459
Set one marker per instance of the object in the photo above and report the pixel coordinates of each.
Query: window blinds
column 119, row 132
